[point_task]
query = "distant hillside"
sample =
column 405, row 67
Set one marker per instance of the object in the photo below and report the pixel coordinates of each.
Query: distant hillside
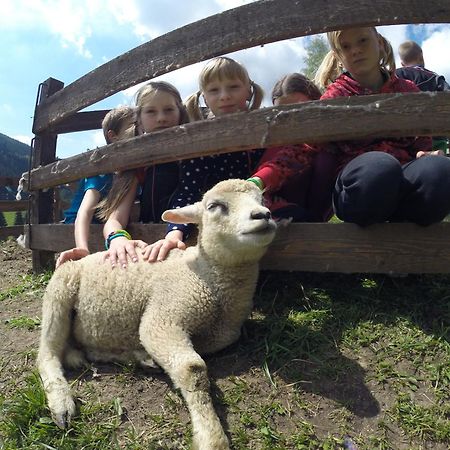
column 14, row 157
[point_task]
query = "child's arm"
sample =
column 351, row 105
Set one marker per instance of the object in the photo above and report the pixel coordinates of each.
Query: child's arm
column 121, row 248
column 82, row 224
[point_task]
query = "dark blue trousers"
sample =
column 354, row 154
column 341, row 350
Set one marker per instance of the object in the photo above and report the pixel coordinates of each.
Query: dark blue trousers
column 374, row 187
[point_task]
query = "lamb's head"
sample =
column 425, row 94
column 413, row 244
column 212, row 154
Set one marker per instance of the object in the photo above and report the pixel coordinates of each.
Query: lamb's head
column 234, row 226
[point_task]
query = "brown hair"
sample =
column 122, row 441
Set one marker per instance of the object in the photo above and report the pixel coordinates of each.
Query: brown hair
column 114, row 120
column 222, row 68
column 410, row 53
column 295, row 82
column 330, row 68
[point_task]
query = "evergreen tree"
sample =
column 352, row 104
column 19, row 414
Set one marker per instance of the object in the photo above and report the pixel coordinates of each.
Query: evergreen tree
column 316, row 49
column 19, row 218
column 2, row 220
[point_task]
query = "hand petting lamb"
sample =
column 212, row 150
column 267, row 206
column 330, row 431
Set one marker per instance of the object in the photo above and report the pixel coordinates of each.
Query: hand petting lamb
column 194, row 302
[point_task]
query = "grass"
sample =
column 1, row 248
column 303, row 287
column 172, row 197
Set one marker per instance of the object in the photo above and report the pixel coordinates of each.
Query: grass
column 326, row 359
column 30, row 285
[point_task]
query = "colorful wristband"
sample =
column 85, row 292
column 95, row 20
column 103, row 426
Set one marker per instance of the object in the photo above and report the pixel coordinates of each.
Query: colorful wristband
column 115, row 234
column 257, row 181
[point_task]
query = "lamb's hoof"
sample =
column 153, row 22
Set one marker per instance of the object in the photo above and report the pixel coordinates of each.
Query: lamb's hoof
column 62, row 415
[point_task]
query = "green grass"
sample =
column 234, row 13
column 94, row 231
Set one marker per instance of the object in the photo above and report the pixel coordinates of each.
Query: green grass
column 29, row 284
column 10, row 218
column 25, row 423
column 29, row 323
column 324, row 358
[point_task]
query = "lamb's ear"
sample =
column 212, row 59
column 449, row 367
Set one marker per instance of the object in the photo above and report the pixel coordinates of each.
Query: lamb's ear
column 187, row 214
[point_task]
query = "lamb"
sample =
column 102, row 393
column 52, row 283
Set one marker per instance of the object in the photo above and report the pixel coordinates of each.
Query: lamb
column 193, row 303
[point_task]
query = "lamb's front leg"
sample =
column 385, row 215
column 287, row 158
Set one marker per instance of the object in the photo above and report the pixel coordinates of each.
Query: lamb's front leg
column 172, row 349
column 56, row 323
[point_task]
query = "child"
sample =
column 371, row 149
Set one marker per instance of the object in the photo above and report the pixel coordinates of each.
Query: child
column 158, row 106
column 226, row 88
column 294, row 88
column 305, row 198
column 413, row 68
column 118, row 124
column 379, row 179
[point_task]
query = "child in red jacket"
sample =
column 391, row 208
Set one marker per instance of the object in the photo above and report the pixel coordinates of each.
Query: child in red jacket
column 378, row 180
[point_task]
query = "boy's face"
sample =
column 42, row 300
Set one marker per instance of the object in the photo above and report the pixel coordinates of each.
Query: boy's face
column 126, row 131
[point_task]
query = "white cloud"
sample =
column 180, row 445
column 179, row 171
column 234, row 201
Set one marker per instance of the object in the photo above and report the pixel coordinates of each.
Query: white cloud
column 435, row 49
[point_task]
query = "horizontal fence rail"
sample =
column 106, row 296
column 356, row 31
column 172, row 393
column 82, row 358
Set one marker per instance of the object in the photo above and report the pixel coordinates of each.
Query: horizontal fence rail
column 317, row 247
column 247, row 26
column 13, row 205
column 11, row 231
column 392, row 115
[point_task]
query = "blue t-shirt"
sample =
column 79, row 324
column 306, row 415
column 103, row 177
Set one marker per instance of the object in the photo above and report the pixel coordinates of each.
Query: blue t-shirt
column 101, row 183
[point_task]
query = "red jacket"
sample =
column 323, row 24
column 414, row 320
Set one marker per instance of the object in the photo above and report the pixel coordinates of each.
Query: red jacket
column 294, row 160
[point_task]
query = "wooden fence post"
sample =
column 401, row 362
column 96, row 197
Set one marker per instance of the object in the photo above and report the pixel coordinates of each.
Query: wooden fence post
column 44, row 152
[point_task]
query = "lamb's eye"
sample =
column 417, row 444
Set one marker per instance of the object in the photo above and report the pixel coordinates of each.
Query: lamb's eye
column 217, row 206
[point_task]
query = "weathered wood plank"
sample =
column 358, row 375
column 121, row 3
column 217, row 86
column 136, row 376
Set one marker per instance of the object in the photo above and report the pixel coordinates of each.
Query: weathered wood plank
column 391, row 115
column 317, row 247
column 12, row 231
column 13, row 205
column 44, row 152
column 247, row 26
column 82, row 121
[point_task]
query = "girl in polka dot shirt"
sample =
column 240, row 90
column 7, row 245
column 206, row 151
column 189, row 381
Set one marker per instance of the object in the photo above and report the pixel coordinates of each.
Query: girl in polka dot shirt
column 226, row 88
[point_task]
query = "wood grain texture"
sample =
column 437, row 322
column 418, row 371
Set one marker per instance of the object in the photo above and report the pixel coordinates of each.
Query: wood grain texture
column 247, row 26
column 13, row 205
column 389, row 115
column 12, row 231
column 317, row 247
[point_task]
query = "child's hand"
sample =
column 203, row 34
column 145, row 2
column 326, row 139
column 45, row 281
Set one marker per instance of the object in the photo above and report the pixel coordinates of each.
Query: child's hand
column 432, row 153
column 121, row 250
column 71, row 255
column 160, row 249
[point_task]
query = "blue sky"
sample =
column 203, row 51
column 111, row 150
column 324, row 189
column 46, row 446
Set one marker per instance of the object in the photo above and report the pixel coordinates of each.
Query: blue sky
column 65, row 39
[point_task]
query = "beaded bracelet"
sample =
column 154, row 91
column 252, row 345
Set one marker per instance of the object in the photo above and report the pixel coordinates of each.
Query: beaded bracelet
column 257, row 181
column 115, row 234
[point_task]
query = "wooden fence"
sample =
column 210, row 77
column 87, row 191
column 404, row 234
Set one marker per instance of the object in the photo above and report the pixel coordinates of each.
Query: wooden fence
column 11, row 206
column 315, row 247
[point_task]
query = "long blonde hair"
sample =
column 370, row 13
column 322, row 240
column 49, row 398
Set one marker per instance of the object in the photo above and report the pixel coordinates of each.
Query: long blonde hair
column 222, row 68
column 331, row 68
column 123, row 180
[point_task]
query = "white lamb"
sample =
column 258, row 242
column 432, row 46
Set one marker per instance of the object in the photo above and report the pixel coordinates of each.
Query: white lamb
column 194, row 302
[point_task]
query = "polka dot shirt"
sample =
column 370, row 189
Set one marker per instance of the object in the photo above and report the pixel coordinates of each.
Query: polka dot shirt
column 200, row 174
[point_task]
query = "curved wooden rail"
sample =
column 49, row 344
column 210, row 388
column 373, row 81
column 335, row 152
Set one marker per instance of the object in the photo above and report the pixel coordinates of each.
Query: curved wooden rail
column 391, row 115
column 247, row 26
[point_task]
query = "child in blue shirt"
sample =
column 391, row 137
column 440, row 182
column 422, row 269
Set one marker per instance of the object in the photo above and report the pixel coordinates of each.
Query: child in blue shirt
column 118, row 124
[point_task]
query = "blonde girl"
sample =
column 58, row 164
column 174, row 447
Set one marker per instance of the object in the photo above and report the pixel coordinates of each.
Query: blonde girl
column 378, row 180
column 158, row 106
column 226, row 88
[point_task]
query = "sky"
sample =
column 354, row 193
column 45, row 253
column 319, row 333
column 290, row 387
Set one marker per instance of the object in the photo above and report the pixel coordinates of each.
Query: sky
column 65, row 39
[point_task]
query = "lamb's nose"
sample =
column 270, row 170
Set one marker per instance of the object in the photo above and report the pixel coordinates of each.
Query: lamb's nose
column 261, row 215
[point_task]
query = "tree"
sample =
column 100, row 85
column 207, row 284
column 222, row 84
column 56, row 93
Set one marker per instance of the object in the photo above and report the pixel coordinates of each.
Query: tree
column 18, row 219
column 316, row 49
